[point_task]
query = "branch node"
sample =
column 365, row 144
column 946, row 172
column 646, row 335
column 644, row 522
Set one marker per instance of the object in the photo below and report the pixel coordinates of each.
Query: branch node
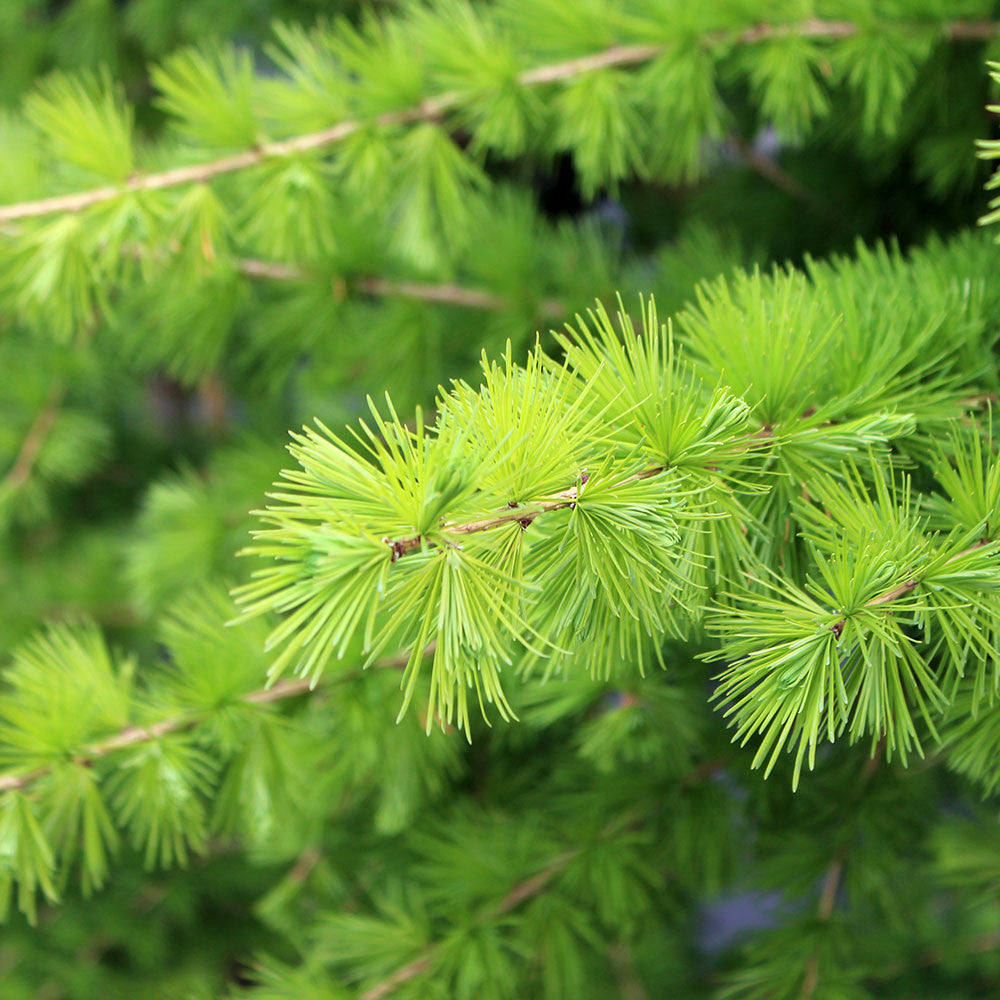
column 399, row 548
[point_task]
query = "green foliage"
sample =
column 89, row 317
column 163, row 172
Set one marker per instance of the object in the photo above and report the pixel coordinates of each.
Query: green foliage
column 496, row 70
column 209, row 96
column 989, row 149
column 84, row 124
column 604, row 493
column 592, row 625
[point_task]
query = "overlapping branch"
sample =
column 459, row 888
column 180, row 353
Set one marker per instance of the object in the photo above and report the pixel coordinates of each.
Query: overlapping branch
column 906, row 587
column 519, row 894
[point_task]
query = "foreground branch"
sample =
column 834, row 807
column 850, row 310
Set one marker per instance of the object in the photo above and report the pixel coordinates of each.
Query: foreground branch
column 435, row 107
column 529, row 512
column 524, row 516
column 907, row 587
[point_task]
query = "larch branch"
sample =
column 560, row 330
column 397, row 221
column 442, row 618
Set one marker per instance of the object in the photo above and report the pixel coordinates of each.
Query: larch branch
column 517, row 514
column 520, row 893
column 907, row 586
column 435, row 107
column 773, row 172
column 525, row 514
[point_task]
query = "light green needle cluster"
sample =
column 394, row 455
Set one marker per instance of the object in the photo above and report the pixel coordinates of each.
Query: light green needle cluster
column 541, row 511
column 568, row 516
column 884, row 630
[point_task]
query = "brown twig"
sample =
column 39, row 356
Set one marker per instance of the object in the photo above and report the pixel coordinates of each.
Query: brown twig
column 440, row 294
column 452, row 295
column 400, row 976
column 435, row 107
column 772, row 172
column 831, row 883
column 305, row 863
column 832, row 879
column 525, row 515
column 448, row 294
column 971, row 31
column 630, row 984
column 35, row 438
column 990, row 941
column 521, row 515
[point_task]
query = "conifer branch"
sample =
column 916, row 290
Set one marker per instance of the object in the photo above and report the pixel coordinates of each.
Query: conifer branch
column 427, row 110
column 981, row 943
column 729, row 474
column 130, row 736
column 522, row 515
column 433, row 108
column 400, row 976
column 907, row 586
column 972, row 31
column 525, row 890
column 133, row 735
column 772, row 172
column 305, row 863
column 530, row 512
column 446, row 293
column 519, row 894
column 451, row 295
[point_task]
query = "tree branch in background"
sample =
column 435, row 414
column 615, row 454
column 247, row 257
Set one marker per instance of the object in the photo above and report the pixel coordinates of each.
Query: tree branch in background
column 527, row 889
column 434, row 107
column 772, row 172
column 443, row 294
column 831, row 884
column 39, row 430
